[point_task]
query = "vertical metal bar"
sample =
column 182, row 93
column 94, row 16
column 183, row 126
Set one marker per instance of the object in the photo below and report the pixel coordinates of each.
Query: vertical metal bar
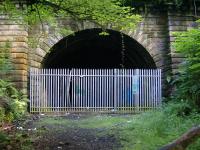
column 72, row 90
column 142, row 89
column 160, row 88
column 93, row 86
column 63, row 91
column 156, row 86
column 51, row 90
column 91, row 89
column 58, row 88
column 47, row 89
column 149, row 88
column 109, row 85
column 106, row 89
column 66, row 90
column 103, row 80
column 75, row 97
column 82, row 89
column 33, row 89
column 154, row 99
column 30, row 92
column 86, row 88
column 96, row 89
column 36, row 90
column 40, row 86
column 54, row 90
column 123, row 91
column 100, row 91
column 145, row 77
column 44, row 89
column 133, row 96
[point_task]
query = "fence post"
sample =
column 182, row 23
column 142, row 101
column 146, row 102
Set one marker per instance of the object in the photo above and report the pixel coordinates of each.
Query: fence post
column 137, row 85
column 115, row 90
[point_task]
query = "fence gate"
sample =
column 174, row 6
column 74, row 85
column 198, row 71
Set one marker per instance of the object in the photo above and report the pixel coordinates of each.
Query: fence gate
column 119, row 90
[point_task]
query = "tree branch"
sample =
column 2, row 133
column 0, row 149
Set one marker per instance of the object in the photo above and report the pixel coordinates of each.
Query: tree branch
column 184, row 141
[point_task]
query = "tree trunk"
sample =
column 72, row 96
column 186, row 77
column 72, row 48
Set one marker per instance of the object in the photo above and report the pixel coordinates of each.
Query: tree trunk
column 184, row 141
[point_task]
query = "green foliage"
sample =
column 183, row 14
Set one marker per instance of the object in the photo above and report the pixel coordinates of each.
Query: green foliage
column 152, row 130
column 5, row 59
column 13, row 103
column 2, row 114
column 102, row 13
column 188, row 82
column 147, row 131
column 4, row 140
column 15, row 140
column 156, row 2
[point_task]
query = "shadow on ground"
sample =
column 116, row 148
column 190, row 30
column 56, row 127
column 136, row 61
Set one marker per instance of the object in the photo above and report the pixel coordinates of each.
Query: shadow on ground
column 74, row 132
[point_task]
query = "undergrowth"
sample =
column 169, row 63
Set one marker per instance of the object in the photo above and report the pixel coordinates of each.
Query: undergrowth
column 152, row 130
column 147, row 131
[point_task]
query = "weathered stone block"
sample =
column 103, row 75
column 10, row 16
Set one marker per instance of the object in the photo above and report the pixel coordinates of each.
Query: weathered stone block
column 20, row 72
column 20, row 61
column 20, row 66
column 12, row 27
column 19, row 50
column 40, row 52
column 12, row 33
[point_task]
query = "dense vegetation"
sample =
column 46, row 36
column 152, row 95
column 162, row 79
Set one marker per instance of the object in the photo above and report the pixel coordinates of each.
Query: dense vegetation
column 13, row 102
column 149, row 130
column 187, row 82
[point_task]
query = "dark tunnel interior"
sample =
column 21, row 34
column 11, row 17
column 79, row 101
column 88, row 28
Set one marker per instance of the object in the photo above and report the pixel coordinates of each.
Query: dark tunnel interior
column 88, row 49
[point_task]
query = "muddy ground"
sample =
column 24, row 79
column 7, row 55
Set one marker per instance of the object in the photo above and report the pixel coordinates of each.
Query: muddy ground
column 59, row 135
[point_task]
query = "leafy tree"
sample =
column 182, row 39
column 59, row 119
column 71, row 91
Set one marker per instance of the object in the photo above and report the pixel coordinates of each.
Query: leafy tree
column 188, row 81
column 100, row 12
column 155, row 2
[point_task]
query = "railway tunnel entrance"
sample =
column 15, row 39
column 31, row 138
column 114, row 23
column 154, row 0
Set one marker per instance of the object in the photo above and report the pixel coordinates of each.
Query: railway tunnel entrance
column 88, row 49
column 87, row 71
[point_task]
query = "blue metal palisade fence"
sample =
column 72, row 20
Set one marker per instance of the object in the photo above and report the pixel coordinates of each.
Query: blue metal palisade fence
column 106, row 90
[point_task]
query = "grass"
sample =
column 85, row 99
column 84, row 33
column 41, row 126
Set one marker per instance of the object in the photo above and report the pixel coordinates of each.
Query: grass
column 146, row 131
column 91, row 121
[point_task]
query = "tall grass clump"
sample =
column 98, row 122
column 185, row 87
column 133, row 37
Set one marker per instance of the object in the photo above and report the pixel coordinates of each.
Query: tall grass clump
column 151, row 130
column 13, row 102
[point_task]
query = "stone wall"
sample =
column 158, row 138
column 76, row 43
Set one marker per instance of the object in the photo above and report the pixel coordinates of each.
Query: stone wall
column 154, row 33
column 17, row 36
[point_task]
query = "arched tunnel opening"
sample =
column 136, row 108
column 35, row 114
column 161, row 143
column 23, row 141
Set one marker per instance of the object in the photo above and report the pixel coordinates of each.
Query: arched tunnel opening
column 101, row 85
column 90, row 50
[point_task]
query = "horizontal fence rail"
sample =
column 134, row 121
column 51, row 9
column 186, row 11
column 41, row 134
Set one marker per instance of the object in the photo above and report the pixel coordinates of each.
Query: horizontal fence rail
column 107, row 90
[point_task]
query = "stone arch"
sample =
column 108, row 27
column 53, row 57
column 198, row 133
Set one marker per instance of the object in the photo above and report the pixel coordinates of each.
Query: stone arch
column 87, row 41
column 48, row 43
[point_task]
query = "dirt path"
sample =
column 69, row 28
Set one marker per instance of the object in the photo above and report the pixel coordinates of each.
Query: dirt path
column 67, row 133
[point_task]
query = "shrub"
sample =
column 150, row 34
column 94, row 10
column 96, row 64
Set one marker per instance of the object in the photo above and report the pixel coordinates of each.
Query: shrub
column 151, row 130
column 188, row 81
column 13, row 103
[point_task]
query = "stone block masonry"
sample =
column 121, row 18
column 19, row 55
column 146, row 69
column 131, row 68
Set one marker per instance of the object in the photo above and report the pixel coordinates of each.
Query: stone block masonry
column 155, row 34
column 17, row 37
